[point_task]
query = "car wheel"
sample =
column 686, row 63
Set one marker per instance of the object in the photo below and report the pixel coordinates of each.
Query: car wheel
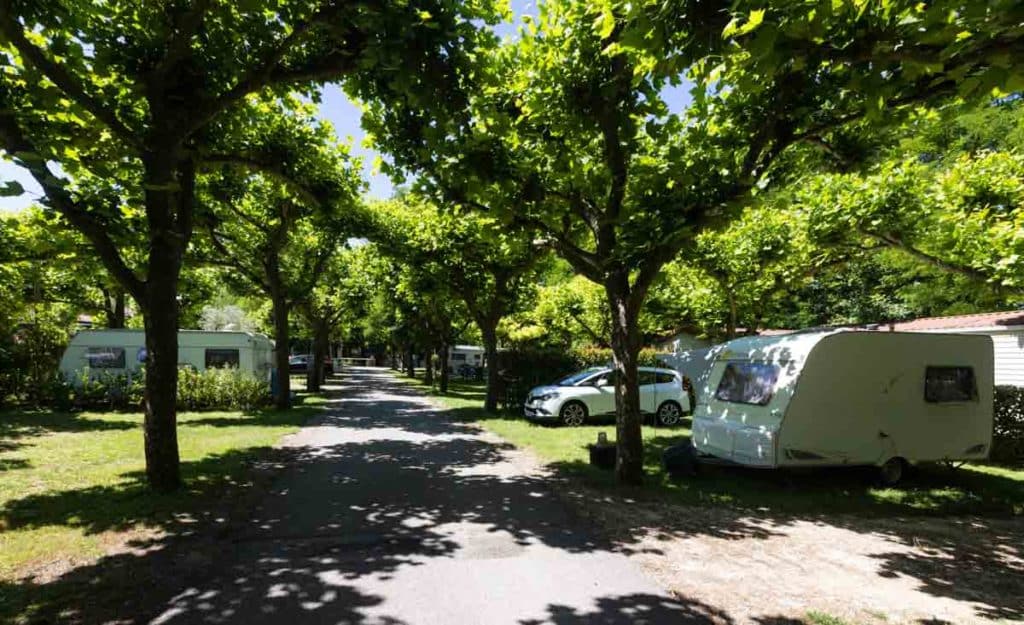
column 669, row 413
column 890, row 473
column 573, row 413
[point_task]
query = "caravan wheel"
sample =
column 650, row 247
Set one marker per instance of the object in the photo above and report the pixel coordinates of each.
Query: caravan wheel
column 892, row 471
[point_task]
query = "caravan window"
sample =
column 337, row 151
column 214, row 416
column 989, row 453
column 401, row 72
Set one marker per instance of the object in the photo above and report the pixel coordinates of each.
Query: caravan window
column 458, row 356
column 748, row 383
column 219, row 358
column 105, row 357
column 946, row 384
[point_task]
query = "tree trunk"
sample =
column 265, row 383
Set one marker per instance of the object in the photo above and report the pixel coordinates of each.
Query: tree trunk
column 283, row 391
column 315, row 372
column 428, row 368
column 114, row 307
column 443, row 386
column 629, row 465
column 161, row 391
column 730, row 330
column 410, row 362
column 169, row 197
column 489, row 331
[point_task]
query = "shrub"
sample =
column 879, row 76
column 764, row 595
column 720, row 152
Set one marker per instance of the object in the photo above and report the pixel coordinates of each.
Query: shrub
column 213, row 389
column 221, row 389
column 1008, row 426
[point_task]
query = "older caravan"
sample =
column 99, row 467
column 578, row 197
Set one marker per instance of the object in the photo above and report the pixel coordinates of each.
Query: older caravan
column 848, row 398
column 122, row 352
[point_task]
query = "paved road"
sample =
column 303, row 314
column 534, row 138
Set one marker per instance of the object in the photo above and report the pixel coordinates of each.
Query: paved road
column 391, row 515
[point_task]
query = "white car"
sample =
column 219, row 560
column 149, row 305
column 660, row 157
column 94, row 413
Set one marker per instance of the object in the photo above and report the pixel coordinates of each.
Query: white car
column 591, row 393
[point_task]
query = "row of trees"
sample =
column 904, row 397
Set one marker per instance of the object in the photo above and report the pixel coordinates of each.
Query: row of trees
column 164, row 133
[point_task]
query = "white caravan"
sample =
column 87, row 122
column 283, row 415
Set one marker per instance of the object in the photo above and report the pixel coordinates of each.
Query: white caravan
column 848, row 398
column 122, row 352
column 459, row 355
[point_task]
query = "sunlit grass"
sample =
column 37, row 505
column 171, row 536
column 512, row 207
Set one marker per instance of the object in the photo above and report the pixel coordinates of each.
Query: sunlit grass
column 69, row 483
column 930, row 490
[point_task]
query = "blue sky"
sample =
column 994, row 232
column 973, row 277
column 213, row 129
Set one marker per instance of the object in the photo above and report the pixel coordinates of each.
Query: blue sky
column 336, row 108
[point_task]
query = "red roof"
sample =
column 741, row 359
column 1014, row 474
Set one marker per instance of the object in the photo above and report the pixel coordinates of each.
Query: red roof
column 980, row 320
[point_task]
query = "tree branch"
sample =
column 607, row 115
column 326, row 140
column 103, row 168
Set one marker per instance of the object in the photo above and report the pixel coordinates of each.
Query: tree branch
column 15, row 143
column 934, row 261
column 68, row 83
column 180, row 41
column 271, row 169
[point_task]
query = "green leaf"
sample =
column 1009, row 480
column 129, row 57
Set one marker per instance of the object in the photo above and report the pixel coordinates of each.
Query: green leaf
column 11, row 188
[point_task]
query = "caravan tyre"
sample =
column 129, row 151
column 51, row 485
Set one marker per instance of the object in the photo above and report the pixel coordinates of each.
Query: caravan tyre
column 892, row 471
column 669, row 414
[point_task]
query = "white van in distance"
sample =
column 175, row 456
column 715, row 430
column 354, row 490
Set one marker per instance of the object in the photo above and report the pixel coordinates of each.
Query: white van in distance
column 881, row 399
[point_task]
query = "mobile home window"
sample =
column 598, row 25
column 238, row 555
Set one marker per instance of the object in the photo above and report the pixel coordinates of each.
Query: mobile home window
column 105, row 357
column 946, row 384
column 748, row 383
column 221, row 358
column 458, row 356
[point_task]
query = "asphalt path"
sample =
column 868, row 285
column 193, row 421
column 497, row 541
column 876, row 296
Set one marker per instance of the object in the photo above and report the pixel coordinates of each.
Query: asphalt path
column 390, row 514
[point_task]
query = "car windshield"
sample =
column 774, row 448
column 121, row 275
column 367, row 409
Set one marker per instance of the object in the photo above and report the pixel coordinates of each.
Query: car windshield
column 576, row 378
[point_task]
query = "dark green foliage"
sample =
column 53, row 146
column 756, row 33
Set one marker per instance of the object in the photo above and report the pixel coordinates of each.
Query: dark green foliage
column 1008, row 428
column 213, row 389
column 28, row 358
column 533, row 367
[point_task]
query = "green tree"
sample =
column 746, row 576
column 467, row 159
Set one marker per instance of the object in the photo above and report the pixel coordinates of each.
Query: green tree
column 487, row 265
column 569, row 124
column 129, row 99
column 278, row 237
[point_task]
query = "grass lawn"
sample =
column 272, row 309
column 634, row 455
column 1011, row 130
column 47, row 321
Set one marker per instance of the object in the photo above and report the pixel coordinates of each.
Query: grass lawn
column 71, row 484
column 973, row 489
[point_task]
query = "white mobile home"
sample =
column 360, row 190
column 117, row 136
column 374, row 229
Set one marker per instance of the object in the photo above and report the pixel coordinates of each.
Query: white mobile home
column 848, row 398
column 124, row 352
column 1005, row 328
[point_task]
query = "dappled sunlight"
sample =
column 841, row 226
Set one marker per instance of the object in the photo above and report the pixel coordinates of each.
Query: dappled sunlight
column 386, row 503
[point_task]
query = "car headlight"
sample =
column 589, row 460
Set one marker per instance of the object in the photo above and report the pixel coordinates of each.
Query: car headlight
column 546, row 396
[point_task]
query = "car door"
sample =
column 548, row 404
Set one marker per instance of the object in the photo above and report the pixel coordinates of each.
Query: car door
column 648, row 391
column 669, row 386
column 602, row 400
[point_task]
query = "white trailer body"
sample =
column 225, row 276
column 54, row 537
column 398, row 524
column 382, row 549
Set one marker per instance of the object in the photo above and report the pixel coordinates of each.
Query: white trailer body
column 123, row 352
column 459, row 355
column 848, row 398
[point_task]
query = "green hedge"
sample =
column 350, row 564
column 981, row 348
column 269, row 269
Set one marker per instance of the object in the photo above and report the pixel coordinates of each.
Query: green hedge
column 1008, row 426
column 213, row 389
column 533, row 367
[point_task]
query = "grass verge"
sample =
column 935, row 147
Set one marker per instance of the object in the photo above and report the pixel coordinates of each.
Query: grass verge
column 973, row 489
column 71, row 485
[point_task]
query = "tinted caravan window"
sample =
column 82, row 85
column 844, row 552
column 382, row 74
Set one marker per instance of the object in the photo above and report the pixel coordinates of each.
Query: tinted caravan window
column 105, row 357
column 748, row 383
column 221, row 358
column 945, row 384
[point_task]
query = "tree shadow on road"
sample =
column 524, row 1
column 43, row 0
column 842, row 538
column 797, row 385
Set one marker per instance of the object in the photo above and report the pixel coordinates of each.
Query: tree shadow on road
column 398, row 492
